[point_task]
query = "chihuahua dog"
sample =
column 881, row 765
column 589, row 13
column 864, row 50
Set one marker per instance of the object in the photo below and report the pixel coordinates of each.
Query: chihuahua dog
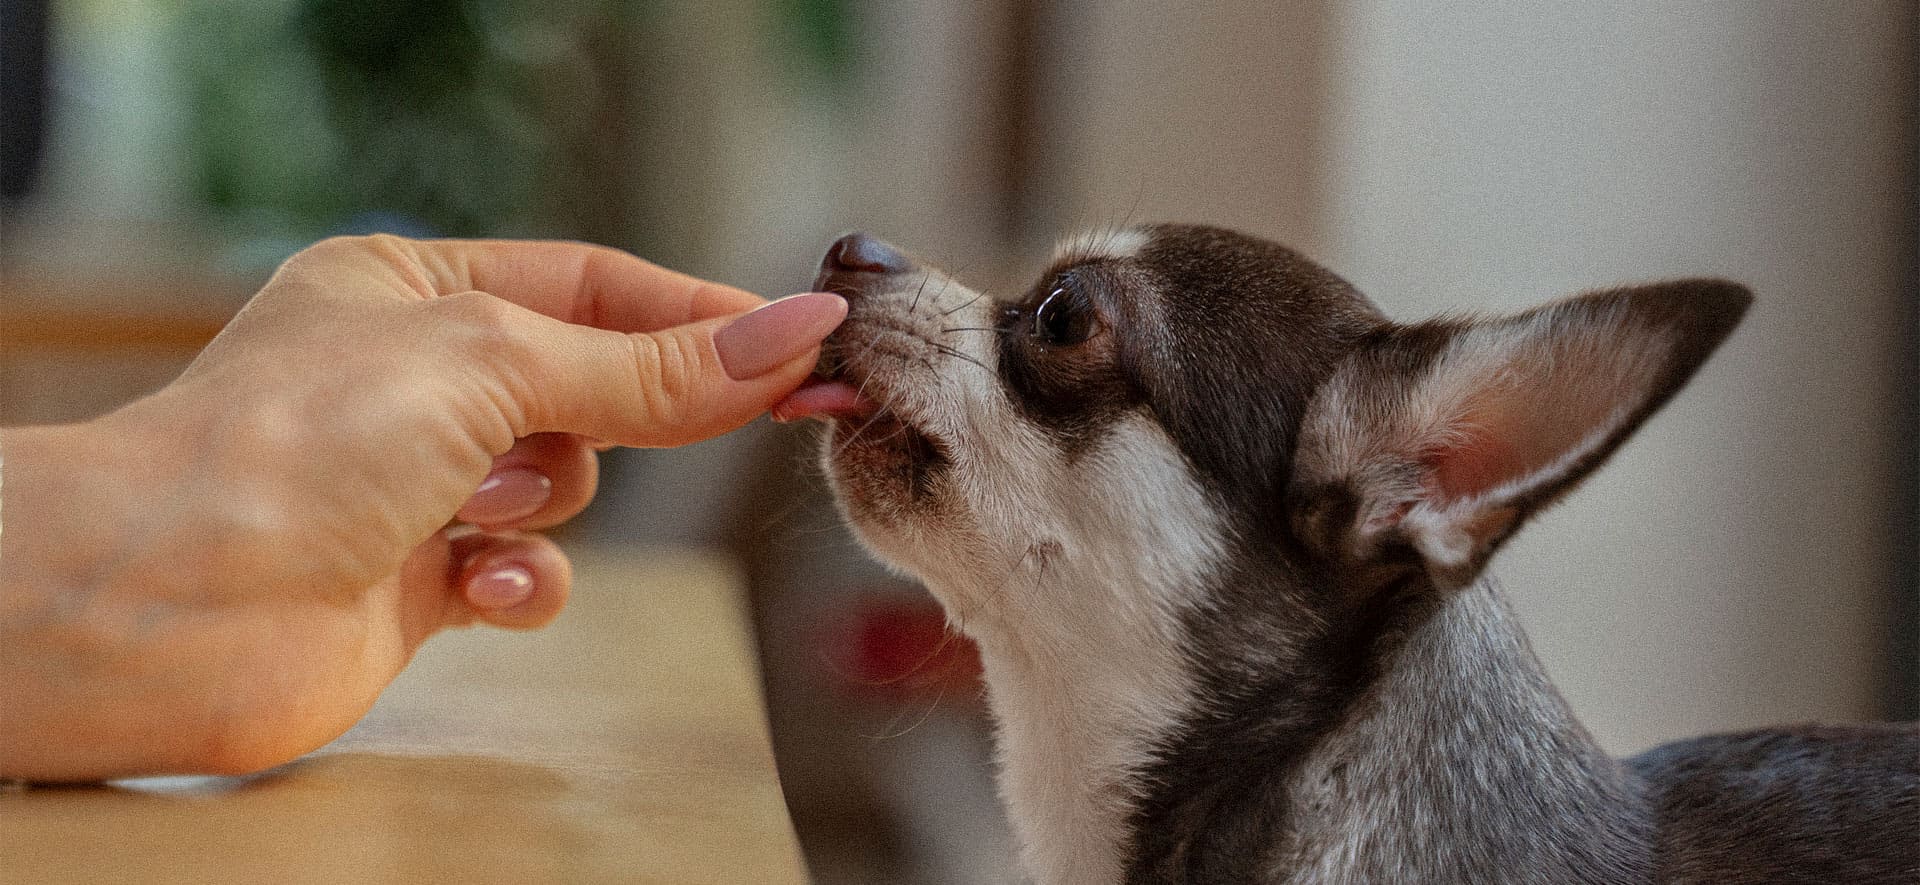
column 1218, row 526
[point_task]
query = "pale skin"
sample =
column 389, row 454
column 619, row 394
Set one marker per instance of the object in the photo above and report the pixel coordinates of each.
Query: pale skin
column 224, row 575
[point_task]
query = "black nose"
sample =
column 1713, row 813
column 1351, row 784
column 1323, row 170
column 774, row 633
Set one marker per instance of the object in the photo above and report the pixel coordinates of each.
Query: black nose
column 859, row 253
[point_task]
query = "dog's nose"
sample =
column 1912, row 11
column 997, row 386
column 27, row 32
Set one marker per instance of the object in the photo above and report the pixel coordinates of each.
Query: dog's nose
column 859, row 253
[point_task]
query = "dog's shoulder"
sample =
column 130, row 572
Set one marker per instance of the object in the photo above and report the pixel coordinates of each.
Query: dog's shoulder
column 1808, row 803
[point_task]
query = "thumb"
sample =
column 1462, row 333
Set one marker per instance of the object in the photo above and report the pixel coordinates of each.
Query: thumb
column 681, row 384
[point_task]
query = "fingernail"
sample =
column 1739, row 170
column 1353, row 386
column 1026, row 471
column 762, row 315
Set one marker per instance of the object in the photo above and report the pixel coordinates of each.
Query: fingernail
column 775, row 333
column 503, row 587
column 506, row 495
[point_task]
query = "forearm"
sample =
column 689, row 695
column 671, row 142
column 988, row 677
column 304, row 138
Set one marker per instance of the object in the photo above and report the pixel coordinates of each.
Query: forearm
column 79, row 698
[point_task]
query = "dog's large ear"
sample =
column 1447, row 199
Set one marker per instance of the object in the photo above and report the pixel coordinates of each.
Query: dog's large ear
column 1431, row 443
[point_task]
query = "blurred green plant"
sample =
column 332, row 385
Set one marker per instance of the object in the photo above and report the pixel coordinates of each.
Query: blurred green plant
column 823, row 37
column 444, row 116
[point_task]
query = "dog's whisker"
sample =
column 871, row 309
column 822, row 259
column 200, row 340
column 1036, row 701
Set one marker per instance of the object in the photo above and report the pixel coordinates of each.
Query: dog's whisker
column 945, row 284
column 855, row 435
column 860, row 358
column 946, row 640
column 896, row 432
column 939, row 695
column 969, row 303
column 886, row 408
column 961, row 356
column 921, row 290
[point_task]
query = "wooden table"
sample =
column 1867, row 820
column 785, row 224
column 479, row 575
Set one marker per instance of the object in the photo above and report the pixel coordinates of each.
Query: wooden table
column 626, row 743
column 73, row 346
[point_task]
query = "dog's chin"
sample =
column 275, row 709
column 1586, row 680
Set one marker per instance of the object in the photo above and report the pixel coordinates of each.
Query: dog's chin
column 885, row 459
column 882, row 460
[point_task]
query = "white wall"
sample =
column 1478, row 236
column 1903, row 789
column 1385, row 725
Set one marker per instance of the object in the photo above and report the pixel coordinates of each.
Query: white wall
column 1731, row 567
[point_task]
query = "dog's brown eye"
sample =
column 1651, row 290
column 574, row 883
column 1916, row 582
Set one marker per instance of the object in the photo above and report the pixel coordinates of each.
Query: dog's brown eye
column 1063, row 318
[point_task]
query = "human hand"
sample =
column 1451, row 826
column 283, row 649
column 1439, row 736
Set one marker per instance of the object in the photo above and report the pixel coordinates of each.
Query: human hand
column 226, row 574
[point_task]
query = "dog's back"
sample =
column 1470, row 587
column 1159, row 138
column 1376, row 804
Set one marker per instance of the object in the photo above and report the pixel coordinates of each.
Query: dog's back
column 1826, row 804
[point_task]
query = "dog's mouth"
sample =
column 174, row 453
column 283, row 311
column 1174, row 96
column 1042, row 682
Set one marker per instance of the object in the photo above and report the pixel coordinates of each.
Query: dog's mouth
column 864, row 427
column 873, row 443
column 827, row 399
column 832, row 393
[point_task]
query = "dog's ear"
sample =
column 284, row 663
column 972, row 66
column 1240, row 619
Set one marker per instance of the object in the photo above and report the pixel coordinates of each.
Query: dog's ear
column 1431, row 443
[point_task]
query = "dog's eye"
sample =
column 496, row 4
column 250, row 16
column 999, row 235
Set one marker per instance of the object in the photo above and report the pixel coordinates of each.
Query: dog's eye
column 1064, row 317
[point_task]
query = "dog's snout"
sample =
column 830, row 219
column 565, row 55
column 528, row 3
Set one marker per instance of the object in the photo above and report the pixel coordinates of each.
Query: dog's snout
column 859, row 253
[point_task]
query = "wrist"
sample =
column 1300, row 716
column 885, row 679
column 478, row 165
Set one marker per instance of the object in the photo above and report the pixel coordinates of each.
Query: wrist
column 61, row 518
column 71, row 621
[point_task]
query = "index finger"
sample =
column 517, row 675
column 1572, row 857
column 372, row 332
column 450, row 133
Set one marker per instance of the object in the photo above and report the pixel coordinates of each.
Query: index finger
column 580, row 283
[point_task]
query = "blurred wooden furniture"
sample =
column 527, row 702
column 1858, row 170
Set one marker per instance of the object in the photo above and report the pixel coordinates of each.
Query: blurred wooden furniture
column 626, row 743
column 97, row 311
column 73, row 347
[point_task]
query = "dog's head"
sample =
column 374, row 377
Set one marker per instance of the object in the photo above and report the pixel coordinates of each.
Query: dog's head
column 1166, row 399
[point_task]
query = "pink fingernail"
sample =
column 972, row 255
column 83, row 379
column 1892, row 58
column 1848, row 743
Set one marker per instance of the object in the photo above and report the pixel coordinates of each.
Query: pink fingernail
column 498, row 588
column 506, row 495
column 775, row 333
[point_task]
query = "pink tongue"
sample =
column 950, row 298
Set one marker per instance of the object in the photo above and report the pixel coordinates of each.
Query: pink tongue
column 818, row 397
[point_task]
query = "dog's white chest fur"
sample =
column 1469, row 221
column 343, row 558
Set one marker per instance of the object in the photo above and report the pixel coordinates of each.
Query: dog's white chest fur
column 1086, row 669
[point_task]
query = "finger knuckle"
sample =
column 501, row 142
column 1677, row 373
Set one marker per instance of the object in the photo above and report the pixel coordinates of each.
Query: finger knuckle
column 666, row 369
column 318, row 268
column 481, row 325
column 489, row 343
column 336, row 247
column 326, row 248
column 477, row 311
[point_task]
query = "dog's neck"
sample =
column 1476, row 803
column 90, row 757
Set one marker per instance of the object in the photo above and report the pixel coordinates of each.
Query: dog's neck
column 1461, row 763
column 1081, row 640
column 1078, row 717
column 1082, row 695
column 1455, row 761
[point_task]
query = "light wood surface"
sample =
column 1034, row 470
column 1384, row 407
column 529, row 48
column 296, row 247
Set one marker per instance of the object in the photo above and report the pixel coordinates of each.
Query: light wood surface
column 626, row 743
column 76, row 345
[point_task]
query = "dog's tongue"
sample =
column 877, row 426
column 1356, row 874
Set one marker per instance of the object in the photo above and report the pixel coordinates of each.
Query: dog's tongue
column 823, row 398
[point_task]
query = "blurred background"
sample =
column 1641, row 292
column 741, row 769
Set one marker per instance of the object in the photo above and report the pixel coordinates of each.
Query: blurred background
column 1749, row 558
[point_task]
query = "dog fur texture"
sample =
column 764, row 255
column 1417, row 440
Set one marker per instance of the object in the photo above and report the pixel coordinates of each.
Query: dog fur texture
column 1218, row 527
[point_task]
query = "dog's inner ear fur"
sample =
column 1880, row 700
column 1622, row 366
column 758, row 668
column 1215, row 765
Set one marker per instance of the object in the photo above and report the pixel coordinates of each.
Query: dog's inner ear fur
column 1438, row 439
